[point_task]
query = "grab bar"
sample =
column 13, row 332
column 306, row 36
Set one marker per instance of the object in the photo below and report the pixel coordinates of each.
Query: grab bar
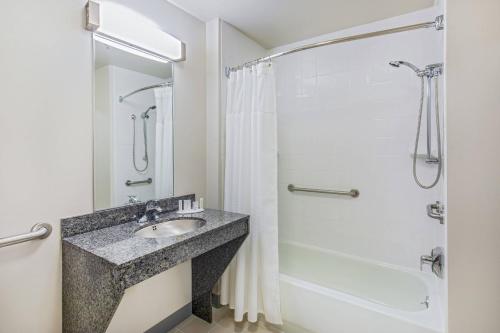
column 38, row 231
column 352, row 193
column 138, row 182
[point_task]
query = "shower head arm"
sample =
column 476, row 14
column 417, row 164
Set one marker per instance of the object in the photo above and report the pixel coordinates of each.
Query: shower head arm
column 146, row 113
column 429, row 70
column 398, row 64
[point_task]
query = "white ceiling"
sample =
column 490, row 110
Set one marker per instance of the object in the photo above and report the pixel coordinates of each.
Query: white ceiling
column 278, row 22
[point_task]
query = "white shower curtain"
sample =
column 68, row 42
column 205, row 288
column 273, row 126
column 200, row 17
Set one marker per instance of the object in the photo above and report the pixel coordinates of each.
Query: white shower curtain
column 163, row 180
column 251, row 282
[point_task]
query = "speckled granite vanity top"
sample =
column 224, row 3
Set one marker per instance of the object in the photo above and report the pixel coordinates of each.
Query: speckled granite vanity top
column 110, row 234
column 102, row 256
column 119, row 245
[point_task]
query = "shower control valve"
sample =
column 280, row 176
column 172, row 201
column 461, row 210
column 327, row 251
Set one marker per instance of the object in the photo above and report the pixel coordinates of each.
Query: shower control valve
column 436, row 211
column 435, row 260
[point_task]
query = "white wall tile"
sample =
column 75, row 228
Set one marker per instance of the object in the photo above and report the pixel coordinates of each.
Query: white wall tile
column 346, row 119
column 123, row 81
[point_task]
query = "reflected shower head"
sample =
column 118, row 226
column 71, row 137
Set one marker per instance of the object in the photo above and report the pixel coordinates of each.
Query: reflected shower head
column 407, row 64
column 145, row 114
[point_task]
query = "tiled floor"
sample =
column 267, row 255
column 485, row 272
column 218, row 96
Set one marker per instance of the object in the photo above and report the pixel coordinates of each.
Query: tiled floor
column 223, row 323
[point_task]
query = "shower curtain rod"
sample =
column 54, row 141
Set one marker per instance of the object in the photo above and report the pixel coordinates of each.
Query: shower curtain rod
column 438, row 24
column 164, row 84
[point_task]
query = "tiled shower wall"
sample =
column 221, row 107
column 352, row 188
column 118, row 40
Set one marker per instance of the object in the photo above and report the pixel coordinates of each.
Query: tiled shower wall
column 116, row 136
column 346, row 119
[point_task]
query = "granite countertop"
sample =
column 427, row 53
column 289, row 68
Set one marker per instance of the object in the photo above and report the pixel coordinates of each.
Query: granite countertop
column 118, row 245
column 102, row 257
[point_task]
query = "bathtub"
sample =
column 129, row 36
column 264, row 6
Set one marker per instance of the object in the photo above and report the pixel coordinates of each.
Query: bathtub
column 329, row 292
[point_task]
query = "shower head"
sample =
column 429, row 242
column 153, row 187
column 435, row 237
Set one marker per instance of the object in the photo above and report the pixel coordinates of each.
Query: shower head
column 407, row 64
column 145, row 114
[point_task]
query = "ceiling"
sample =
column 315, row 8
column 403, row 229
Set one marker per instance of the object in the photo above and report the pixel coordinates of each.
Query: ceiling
column 278, row 22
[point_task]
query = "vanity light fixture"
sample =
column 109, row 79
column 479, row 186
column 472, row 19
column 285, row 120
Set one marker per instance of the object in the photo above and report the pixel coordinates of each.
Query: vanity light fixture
column 127, row 30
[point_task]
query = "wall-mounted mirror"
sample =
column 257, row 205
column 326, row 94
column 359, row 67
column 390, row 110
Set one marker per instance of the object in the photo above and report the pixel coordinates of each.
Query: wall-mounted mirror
column 133, row 131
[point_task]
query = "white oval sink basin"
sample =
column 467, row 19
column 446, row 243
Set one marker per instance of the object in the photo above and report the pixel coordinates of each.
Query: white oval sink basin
column 170, row 228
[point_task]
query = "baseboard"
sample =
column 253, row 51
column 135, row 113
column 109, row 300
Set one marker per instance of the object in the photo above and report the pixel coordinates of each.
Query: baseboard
column 172, row 321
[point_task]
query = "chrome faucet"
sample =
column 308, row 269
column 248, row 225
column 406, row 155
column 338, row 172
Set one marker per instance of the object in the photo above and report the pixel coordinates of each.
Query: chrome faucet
column 151, row 213
column 132, row 199
column 436, row 260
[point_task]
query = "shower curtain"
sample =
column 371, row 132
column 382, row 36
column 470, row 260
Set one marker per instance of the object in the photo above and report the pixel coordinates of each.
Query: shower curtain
column 163, row 184
column 251, row 282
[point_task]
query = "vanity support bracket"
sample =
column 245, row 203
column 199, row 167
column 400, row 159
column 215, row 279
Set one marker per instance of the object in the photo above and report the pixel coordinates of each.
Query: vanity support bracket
column 90, row 292
column 206, row 269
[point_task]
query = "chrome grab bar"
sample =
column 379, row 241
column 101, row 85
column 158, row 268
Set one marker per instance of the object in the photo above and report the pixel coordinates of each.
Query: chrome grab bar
column 38, row 231
column 138, row 182
column 352, row 193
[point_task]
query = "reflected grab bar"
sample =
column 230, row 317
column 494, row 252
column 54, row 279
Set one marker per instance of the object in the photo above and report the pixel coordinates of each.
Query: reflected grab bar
column 352, row 193
column 138, row 182
column 38, row 231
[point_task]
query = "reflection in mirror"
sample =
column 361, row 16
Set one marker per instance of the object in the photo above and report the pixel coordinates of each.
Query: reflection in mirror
column 133, row 132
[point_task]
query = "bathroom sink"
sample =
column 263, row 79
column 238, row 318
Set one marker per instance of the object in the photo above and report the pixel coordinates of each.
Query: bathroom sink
column 171, row 228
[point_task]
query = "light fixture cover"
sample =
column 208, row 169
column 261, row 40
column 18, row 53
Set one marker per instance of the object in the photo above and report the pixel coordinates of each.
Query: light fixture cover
column 121, row 25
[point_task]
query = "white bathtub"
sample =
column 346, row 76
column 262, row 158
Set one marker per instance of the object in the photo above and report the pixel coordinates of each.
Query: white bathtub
column 328, row 292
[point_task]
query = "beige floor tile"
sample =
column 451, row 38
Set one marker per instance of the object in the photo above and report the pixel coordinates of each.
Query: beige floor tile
column 290, row 328
column 263, row 326
column 174, row 330
column 184, row 322
column 227, row 321
column 221, row 313
column 270, row 327
column 219, row 329
column 233, row 326
column 223, row 322
column 195, row 325
column 229, row 325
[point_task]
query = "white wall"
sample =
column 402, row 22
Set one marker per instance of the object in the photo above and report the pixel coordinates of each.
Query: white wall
column 152, row 300
column 473, row 71
column 213, row 113
column 45, row 149
column 46, row 110
column 226, row 46
column 346, row 119
column 102, row 138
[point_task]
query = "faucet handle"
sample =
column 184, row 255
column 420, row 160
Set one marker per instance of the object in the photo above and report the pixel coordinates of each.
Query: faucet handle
column 425, row 259
column 132, row 199
column 436, row 211
column 436, row 260
column 153, row 205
